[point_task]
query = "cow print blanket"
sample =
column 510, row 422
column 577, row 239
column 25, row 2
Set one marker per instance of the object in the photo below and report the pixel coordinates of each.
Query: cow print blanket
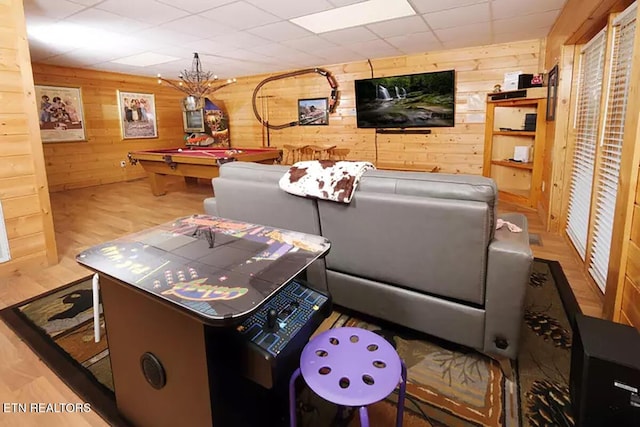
column 324, row 179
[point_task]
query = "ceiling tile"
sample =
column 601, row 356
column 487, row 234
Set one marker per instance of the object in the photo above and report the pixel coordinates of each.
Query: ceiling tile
column 427, row 6
column 87, row 2
column 415, row 43
column 56, row 10
column 204, row 47
column 240, row 15
column 304, row 59
column 349, row 35
column 107, row 21
column 239, row 40
column 39, row 21
column 471, row 32
column 197, row 26
column 308, row 43
column 398, row 27
column 145, row 59
column 143, row 10
column 243, row 55
column 40, row 50
column 196, row 6
column 374, row 49
column 84, row 57
column 287, row 9
column 508, row 8
column 279, row 31
column 160, row 35
column 521, row 34
column 338, row 54
column 274, row 50
column 458, row 44
column 542, row 20
column 340, row 3
column 459, row 17
column 124, row 69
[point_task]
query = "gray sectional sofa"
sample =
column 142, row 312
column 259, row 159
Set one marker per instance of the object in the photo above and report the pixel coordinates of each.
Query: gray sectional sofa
column 416, row 249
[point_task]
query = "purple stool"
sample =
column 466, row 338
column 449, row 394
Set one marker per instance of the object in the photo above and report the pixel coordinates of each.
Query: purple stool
column 350, row 367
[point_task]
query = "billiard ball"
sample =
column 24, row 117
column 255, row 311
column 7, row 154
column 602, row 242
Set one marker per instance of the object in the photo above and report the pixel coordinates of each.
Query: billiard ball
column 180, row 150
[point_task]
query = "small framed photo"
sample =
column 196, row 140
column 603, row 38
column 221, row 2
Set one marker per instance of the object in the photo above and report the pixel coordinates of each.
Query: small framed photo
column 313, row 112
column 552, row 94
column 137, row 115
column 60, row 113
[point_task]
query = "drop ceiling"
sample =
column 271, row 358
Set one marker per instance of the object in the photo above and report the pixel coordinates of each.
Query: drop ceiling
column 238, row 38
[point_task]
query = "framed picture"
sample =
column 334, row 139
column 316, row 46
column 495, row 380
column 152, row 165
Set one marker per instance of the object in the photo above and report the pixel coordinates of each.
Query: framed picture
column 313, row 112
column 552, row 94
column 137, row 115
column 61, row 114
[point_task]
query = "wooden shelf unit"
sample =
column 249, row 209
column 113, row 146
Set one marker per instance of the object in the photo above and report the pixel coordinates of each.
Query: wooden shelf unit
column 519, row 183
column 512, row 164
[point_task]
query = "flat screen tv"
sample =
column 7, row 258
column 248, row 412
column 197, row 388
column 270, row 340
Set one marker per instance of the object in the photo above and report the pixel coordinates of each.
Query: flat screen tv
column 408, row 101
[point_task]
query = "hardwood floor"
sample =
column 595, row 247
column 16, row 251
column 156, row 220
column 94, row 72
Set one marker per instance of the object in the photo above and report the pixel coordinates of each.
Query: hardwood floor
column 86, row 217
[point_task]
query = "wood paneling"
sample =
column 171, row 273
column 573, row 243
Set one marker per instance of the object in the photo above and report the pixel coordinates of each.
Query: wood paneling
column 578, row 22
column 97, row 160
column 453, row 150
column 23, row 184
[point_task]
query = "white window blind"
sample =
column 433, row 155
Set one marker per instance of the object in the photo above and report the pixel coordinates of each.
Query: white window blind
column 611, row 151
column 586, row 131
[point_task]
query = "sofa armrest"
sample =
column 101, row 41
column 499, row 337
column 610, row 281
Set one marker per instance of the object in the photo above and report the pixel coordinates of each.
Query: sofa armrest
column 211, row 206
column 509, row 264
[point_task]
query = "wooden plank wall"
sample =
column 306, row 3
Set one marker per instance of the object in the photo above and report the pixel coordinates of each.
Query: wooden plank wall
column 628, row 304
column 23, row 184
column 453, row 150
column 579, row 21
column 97, row 160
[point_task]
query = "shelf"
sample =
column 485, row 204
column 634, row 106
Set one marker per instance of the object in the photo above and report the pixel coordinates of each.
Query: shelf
column 510, row 164
column 514, row 132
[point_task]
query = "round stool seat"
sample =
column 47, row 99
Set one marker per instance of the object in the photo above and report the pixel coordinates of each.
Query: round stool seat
column 350, row 366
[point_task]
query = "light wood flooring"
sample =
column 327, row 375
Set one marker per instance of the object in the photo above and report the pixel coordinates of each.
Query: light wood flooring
column 86, row 217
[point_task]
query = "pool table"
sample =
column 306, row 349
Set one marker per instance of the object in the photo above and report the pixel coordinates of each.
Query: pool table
column 195, row 162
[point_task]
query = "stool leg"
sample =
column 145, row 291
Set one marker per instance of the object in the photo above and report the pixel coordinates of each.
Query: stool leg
column 96, row 307
column 292, row 397
column 364, row 417
column 403, row 391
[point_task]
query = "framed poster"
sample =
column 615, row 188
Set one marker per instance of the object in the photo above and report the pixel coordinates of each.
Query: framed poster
column 137, row 113
column 60, row 113
column 313, row 112
column 552, row 94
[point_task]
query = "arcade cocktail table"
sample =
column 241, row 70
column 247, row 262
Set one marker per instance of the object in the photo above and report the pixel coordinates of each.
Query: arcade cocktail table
column 172, row 293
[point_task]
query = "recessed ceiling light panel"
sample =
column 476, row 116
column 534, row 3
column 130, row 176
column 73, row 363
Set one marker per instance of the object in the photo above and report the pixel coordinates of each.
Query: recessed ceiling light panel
column 145, row 59
column 353, row 15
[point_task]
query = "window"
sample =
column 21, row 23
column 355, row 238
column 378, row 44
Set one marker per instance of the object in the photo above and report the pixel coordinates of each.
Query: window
column 611, row 144
column 590, row 78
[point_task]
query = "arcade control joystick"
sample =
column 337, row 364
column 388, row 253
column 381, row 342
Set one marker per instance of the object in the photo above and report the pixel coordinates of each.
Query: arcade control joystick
column 272, row 317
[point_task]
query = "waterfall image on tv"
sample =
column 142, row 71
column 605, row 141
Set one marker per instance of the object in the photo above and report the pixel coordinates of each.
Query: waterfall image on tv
column 413, row 100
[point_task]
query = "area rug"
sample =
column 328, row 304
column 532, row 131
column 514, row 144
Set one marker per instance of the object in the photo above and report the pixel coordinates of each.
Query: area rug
column 448, row 385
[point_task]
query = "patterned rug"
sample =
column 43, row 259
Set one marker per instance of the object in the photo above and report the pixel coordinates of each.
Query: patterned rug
column 448, row 385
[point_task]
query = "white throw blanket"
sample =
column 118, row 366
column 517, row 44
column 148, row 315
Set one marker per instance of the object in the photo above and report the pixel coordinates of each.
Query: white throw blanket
column 324, row 179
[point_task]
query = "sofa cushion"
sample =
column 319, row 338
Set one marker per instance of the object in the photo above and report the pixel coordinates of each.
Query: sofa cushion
column 427, row 235
column 249, row 192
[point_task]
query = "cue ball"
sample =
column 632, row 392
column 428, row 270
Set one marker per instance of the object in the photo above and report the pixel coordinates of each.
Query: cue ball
column 180, row 150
